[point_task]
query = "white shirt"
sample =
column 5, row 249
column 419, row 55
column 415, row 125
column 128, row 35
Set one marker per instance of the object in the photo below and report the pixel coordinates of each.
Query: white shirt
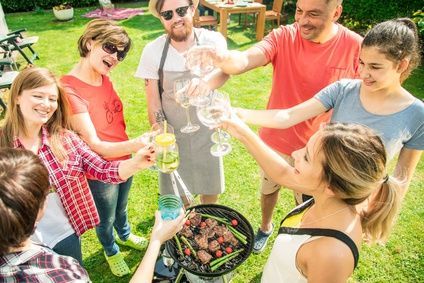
column 54, row 226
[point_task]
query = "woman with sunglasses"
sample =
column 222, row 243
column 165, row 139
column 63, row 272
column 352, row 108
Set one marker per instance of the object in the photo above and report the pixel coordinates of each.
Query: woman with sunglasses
column 97, row 116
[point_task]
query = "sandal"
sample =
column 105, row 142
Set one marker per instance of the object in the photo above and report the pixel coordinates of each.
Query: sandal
column 261, row 239
column 117, row 264
column 134, row 241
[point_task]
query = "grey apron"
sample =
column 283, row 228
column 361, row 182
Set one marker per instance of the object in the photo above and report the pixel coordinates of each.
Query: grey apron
column 201, row 172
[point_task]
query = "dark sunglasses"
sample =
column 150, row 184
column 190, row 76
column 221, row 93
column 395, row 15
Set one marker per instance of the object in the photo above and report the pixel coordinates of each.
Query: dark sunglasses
column 181, row 11
column 111, row 48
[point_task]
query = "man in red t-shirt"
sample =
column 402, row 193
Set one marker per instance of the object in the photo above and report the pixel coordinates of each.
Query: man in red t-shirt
column 306, row 56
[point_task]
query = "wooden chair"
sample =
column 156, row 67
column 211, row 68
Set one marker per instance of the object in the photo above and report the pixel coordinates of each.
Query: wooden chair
column 17, row 42
column 201, row 21
column 247, row 15
column 275, row 13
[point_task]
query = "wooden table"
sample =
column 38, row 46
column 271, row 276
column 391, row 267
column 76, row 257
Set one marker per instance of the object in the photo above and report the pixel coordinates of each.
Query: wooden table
column 225, row 9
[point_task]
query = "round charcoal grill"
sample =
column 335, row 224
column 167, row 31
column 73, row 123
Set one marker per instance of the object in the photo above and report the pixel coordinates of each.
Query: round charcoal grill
column 193, row 266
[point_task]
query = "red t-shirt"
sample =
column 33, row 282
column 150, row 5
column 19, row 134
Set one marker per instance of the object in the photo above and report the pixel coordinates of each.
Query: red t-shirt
column 301, row 69
column 103, row 105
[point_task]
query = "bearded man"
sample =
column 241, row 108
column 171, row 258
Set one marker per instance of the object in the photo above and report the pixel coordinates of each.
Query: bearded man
column 162, row 62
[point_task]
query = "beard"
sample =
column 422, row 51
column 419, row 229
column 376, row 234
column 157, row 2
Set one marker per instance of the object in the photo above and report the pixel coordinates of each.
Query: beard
column 181, row 35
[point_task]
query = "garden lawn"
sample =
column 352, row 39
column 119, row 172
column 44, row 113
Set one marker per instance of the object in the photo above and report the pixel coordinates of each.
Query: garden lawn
column 400, row 260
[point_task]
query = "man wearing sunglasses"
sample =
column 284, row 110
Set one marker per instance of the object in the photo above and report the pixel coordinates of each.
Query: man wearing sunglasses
column 162, row 62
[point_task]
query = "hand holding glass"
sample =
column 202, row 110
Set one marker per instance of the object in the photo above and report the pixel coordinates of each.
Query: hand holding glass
column 170, row 206
column 211, row 115
column 199, row 60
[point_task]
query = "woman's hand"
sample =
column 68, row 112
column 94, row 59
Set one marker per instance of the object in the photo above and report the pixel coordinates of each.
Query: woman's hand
column 145, row 157
column 165, row 230
column 235, row 126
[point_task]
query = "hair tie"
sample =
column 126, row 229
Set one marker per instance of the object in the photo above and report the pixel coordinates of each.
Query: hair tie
column 386, row 179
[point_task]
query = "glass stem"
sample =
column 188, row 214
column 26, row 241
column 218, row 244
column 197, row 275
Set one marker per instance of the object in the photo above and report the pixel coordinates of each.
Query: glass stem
column 219, row 137
column 188, row 117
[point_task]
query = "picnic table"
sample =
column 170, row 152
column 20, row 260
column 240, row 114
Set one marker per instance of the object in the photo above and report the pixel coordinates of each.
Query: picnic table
column 224, row 10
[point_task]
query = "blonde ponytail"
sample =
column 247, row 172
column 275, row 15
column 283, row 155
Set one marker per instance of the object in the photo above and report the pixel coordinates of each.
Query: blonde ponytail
column 378, row 219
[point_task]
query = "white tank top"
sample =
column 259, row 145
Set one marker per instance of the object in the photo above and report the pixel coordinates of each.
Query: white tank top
column 281, row 264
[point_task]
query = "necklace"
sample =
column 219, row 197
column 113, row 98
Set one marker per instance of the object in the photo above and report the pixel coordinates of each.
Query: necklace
column 324, row 217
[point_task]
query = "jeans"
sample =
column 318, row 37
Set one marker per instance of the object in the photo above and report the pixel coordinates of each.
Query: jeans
column 111, row 202
column 70, row 246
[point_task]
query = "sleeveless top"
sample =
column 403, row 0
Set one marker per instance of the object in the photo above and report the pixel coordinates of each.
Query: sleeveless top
column 281, row 264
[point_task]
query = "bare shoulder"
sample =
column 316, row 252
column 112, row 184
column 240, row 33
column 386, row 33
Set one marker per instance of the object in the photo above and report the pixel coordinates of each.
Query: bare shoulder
column 326, row 259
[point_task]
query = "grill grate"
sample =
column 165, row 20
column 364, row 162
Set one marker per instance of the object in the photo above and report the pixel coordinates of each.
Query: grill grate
column 199, row 269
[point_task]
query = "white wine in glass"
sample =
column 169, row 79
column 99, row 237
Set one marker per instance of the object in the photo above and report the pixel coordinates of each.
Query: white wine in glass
column 182, row 97
column 211, row 115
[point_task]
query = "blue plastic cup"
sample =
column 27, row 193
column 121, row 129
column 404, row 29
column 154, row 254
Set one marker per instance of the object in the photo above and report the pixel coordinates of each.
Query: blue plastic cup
column 170, row 206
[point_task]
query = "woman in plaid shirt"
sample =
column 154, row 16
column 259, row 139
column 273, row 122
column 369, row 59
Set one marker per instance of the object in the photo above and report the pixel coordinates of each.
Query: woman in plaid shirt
column 37, row 120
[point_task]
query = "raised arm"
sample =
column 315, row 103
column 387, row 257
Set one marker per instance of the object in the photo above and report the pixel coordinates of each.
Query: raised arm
column 216, row 79
column 282, row 118
column 109, row 171
column 235, row 62
column 83, row 125
column 272, row 164
column 405, row 167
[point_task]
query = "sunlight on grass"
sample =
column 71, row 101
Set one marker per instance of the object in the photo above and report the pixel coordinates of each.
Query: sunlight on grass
column 401, row 260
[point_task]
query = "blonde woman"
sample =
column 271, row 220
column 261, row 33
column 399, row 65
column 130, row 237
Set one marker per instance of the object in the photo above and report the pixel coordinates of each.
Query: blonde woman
column 341, row 166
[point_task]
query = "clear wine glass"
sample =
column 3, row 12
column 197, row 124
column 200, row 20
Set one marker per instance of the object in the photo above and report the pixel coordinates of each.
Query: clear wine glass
column 200, row 63
column 199, row 92
column 211, row 115
column 182, row 97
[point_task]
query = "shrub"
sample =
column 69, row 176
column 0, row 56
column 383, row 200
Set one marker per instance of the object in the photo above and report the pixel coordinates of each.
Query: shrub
column 11, row 6
column 370, row 12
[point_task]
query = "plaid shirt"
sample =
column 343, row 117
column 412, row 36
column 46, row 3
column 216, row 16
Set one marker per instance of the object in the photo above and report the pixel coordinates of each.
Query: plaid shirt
column 40, row 264
column 69, row 178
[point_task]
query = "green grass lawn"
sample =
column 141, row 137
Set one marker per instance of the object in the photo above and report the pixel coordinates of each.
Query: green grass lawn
column 400, row 260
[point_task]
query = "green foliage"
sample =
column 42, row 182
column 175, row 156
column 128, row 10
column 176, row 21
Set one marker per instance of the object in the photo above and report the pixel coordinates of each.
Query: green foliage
column 368, row 12
column 25, row 5
column 418, row 18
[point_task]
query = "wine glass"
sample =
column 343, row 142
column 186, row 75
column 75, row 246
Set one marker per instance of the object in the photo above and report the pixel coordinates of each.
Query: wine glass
column 200, row 63
column 199, row 92
column 211, row 115
column 181, row 88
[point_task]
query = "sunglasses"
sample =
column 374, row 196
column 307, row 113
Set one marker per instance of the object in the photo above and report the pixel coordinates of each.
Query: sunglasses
column 169, row 14
column 110, row 48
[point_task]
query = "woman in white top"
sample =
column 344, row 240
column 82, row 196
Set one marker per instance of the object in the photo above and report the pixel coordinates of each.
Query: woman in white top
column 341, row 165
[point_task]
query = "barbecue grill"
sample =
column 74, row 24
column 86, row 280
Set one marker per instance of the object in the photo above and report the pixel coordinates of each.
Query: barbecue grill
column 203, row 270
